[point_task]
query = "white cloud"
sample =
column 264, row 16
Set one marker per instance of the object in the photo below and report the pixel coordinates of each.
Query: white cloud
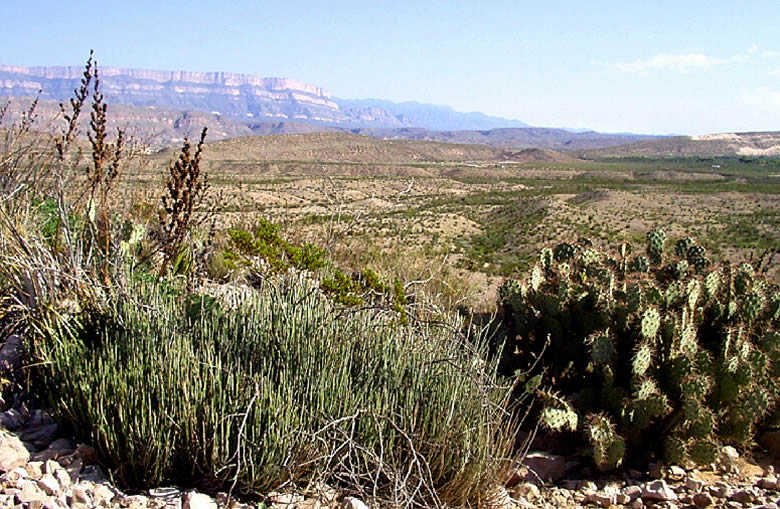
column 680, row 63
column 770, row 53
column 753, row 49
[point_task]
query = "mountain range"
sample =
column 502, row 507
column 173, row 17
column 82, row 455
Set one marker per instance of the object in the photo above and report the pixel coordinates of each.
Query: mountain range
column 162, row 107
column 241, row 96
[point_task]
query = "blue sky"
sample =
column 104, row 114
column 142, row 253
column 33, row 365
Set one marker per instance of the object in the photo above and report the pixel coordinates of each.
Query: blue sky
column 660, row 66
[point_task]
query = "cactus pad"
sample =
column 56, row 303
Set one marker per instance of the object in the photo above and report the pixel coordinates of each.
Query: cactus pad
column 651, row 321
column 639, row 264
column 771, row 342
column 711, row 284
column 696, row 387
column 564, row 252
column 692, row 409
column 608, row 447
column 703, row 452
column 611, row 457
column 642, row 359
column 774, row 307
column 703, row 426
column 655, row 245
column 678, row 369
column 682, row 246
column 704, row 363
column 645, row 388
column 675, row 450
column 743, row 374
column 688, row 345
column 508, row 290
column 654, row 405
column 536, row 278
column 756, row 403
column 634, row 298
column 674, row 294
column 590, row 257
column 697, row 256
column 693, row 291
column 752, row 305
column 602, row 349
column 546, row 258
column 743, row 279
column 557, row 413
column 679, row 269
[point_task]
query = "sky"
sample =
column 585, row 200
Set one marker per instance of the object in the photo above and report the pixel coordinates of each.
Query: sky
column 660, row 67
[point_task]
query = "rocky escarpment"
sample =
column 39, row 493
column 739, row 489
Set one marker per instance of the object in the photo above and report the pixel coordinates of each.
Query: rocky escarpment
column 243, row 96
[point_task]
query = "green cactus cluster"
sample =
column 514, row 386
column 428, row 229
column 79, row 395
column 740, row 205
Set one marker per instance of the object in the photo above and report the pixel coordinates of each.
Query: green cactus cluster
column 557, row 413
column 660, row 349
column 609, row 448
column 656, row 239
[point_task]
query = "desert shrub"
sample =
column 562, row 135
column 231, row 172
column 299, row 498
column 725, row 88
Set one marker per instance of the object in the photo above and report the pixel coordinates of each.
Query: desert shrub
column 655, row 348
column 271, row 387
column 57, row 243
column 264, row 250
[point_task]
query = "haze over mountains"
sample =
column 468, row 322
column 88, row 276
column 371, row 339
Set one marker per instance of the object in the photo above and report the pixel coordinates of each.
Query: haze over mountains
column 242, row 96
column 162, row 107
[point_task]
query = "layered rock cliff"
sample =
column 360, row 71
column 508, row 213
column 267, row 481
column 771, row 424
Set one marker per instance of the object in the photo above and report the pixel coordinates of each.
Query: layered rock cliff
column 241, row 96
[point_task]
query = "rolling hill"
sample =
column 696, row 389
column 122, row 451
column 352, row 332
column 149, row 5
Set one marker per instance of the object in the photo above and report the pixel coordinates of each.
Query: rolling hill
column 757, row 144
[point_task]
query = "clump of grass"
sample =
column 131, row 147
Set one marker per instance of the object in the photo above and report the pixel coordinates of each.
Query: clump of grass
column 278, row 390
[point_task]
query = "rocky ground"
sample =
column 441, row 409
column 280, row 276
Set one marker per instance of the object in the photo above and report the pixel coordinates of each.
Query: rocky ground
column 734, row 482
column 41, row 469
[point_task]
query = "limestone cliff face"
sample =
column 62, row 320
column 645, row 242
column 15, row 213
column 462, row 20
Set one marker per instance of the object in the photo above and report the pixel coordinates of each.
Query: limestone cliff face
column 224, row 79
column 241, row 96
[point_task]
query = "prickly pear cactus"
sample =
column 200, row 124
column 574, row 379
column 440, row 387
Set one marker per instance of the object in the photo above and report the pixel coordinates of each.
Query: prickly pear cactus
column 697, row 257
column 608, row 447
column 546, row 258
column 639, row 264
column 557, row 413
column 565, row 251
column 655, row 245
column 651, row 321
column 664, row 352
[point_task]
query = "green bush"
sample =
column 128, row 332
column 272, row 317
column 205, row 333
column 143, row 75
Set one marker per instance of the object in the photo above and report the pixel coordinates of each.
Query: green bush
column 270, row 386
column 650, row 349
column 266, row 244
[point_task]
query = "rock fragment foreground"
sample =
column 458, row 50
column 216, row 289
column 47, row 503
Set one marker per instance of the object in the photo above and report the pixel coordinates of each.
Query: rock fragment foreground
column 39, row 470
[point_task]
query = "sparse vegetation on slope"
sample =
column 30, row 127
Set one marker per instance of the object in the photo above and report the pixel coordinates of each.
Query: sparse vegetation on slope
column 174, row 379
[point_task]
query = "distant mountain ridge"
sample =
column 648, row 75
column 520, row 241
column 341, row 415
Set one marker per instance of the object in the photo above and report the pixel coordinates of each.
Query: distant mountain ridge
column 241, row 96
column 433, row 117
column 165, row 106
column 750, row 144
column 512, row 137
column 236, row 95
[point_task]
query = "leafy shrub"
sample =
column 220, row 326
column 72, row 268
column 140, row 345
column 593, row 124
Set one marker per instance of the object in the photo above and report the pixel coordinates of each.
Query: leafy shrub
column 647, row 346
column 264, row 250
column 271, row 387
